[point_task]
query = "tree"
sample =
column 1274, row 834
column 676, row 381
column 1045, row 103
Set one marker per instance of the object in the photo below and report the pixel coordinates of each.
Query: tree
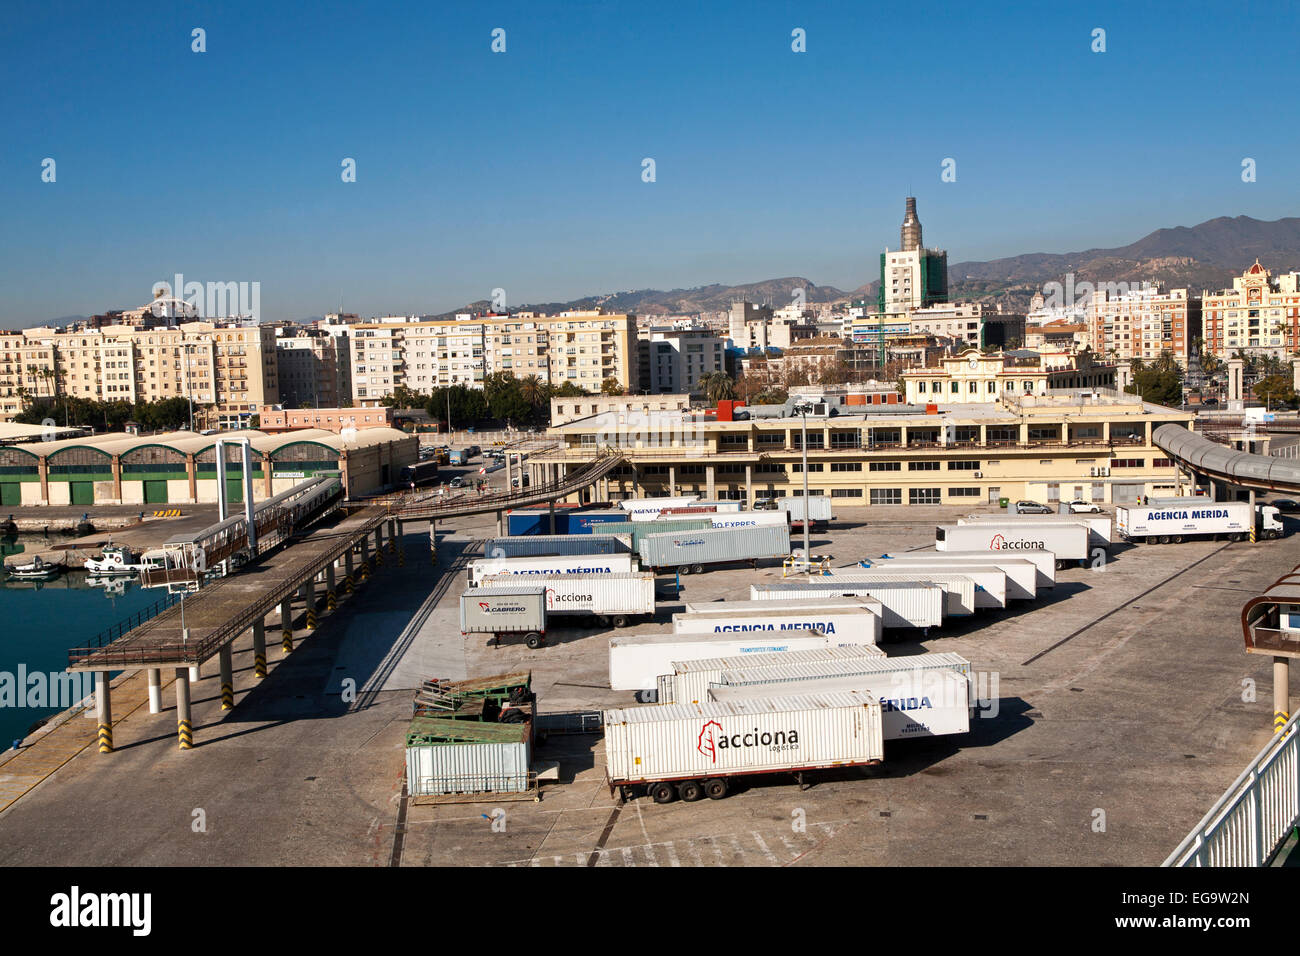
column 1275, row 390
column 611, row 386
column 568, row 390
column 717, row 386
column 533, row 390
column 1158, row 383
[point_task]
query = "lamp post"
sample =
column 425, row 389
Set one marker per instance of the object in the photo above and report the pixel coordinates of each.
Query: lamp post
column 802, row 409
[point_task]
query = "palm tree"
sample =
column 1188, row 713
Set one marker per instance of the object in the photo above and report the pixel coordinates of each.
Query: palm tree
column 532, row 389
column 718, row 386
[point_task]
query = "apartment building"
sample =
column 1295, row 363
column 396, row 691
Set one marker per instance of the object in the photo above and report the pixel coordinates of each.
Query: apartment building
column 1141, row 324
column 1259, row 315
column 1055, row 447
column 674, row 360
column 973, row 377
column 315, row 366
column 584, row 348
column 227, row 370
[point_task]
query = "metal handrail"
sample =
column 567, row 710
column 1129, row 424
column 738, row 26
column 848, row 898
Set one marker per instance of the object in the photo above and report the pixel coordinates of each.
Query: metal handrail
column 1252, row 818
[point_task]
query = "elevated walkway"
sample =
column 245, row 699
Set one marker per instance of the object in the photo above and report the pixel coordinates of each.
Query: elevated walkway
column 1212, row 460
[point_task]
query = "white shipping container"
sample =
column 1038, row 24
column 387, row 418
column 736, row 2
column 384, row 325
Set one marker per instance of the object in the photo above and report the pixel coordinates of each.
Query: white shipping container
column 819, row 507
column 742, row 607
column 1192, row 516
column 616, row 595
column 704, row 741
column 1066, row 542
column 549, row 565
column 904, row 604
column 744, row 519
column 959, row 588
column 467, row 768
column 990, row 581
column 683, row 549
column 1023, row 576
column 913, row 702
column 637, row 660
column 652, row 506
column 854, row 623
column 531, row 545
column 1099, row 526
column 784, row 667
column 689, row 681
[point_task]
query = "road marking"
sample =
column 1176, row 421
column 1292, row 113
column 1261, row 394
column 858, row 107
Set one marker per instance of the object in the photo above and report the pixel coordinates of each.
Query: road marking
column 771, row 857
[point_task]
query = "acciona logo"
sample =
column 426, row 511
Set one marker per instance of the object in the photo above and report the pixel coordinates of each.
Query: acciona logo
column 713, row 738
column 999, row 543
column 554, row 597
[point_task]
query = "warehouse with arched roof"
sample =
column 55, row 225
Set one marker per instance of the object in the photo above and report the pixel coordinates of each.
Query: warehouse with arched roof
column 181, row 467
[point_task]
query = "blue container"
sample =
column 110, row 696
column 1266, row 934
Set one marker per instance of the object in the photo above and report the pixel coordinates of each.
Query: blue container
column 537, row 522
column 582, row 522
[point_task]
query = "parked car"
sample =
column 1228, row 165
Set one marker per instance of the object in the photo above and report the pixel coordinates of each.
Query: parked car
column 1084, row 507
column 1032, row 508
column 457, row 482
column 1285, row 504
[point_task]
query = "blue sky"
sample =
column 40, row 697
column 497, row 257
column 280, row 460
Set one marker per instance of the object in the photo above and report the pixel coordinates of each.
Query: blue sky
column 522, row 170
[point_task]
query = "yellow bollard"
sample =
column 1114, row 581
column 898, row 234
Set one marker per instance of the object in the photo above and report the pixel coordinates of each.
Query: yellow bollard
column 227, row 697
column 259, row 665
column 106, row 738
column 186, row 734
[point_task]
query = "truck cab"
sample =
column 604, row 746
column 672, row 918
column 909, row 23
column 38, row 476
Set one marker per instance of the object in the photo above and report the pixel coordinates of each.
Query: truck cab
column 1268, row 521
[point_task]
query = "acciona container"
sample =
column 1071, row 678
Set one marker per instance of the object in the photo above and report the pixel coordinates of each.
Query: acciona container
column 989, row 583
column 614, row 595
column 960, row 590
column 1067, row 542
column 715, row 546
column 768, row 735
column 688, row 681
column 1022, row 574
column 1100, row 532
column 904, row 603
column 637, row 660
column 549, row 544
column 547, row 566
column 914, row 702
column 855, row 622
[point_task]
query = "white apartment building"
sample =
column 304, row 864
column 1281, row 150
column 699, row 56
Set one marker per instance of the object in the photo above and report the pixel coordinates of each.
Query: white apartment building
column 674, row 360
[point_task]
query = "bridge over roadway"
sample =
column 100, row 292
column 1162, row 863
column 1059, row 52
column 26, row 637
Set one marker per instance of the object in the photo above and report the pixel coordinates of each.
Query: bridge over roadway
column 1216, row 462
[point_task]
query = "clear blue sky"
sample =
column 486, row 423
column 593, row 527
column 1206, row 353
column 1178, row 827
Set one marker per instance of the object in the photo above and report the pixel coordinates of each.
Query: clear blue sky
column 523, row 170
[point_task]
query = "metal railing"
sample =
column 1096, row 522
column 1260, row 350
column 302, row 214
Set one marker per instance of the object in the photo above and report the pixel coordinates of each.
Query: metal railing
column 108, row 635
column 1250, row 821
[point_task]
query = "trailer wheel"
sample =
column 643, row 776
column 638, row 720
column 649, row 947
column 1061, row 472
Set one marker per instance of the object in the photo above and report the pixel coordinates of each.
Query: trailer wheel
column 690, row 790
column 1164, row 539
column 1176, row 539
column 662, row 792
column 533, row 640
column 1235, row 536
column 697, row 569
column 602, row 620
column 715, row 788
column 684, row 569
column 620, row 620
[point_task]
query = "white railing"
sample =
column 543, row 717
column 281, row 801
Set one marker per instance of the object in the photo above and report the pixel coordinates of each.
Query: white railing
column 1255, row 815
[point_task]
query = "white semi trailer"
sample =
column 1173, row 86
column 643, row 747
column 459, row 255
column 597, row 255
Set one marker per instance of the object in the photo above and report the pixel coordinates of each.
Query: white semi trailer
column 1068, row 542
column 1175, row 520
column 1021, row 574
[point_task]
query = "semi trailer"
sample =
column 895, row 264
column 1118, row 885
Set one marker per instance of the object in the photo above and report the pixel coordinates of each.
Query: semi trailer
column 505, row 611
column 637, row 661
column 549, row 565
column 1100, row 530
column 818, row 508
column 690, row 751
column 962, row 589
column 610, row 598
column 911, row 604
column 1067, row 542
column 1175, row 520
column 1020, row 575
column 689, row 681
column 856, row 620
column 689, row 552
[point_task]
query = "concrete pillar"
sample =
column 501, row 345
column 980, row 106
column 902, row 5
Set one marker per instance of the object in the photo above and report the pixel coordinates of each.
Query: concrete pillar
column 501, row 532
column 225, row 659
column 259, row 649
column 1123, row 376
column 1281, row 692
column 195, row 675
column 309, row 599
column 1236, row 379
column 1252, row 515
column 104, row 712
column 364, row 571
column 550, row 514
column 672, row 481
column 1295, row 373
column 184, row 727
column 749, row 486
column 329, row 582
column 219, row 453
column 155, row 690
column 286, row 625
column 710, row 473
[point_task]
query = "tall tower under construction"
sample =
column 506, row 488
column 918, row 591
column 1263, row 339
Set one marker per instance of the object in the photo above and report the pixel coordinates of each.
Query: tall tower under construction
column 914, row 277
column 911, row 232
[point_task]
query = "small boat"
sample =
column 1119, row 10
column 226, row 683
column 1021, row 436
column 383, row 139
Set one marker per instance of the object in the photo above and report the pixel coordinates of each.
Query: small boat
column 37, row 569
column 114, row 560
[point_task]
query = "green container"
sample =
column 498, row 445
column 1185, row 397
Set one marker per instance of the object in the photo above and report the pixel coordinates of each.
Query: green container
column 639, row 529
column 1004, row 502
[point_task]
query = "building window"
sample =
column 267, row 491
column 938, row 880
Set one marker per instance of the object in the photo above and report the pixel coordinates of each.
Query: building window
column 923, row 496
column 846, row 492
column 846, row 466
column 797, row 467
column 920, row 387
column 963, row 492
column 963, row 466
column 886, row 496
column 922, row 466
column 884, row 466
column 1128, row 462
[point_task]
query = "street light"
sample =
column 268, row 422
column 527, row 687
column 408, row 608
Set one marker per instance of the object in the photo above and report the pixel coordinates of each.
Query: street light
column 802, row 409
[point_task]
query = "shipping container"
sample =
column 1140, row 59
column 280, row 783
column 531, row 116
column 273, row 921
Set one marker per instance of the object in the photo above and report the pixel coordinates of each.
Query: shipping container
column 914, row 702
column 784, row 667
column 617, row 597
column 547, row 566
column 557, row 544
column 533, row 520
column 1021, row 574
column 1179, row 519
column 819, row 511
column 691, row 551
column 509, row 609
column 585, row 522
column 655, row 505
column 694, row 750
column 1066, row 542
column 1100, row 534
column 639, row 529
column 461, row 456
column 637, row 660
column 458, row 756
column 990, row 581
column 689, row 681
column 856, row 622
column 904, row 604
column 959, row 588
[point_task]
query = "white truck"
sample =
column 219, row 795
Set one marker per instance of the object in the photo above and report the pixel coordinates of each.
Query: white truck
column 537, row 567
column 1021, row 574
column 697, row 750
column 854, row 620
column 1173, row 520
column 610, row 598
column 1067, row 542
column 818, row 509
